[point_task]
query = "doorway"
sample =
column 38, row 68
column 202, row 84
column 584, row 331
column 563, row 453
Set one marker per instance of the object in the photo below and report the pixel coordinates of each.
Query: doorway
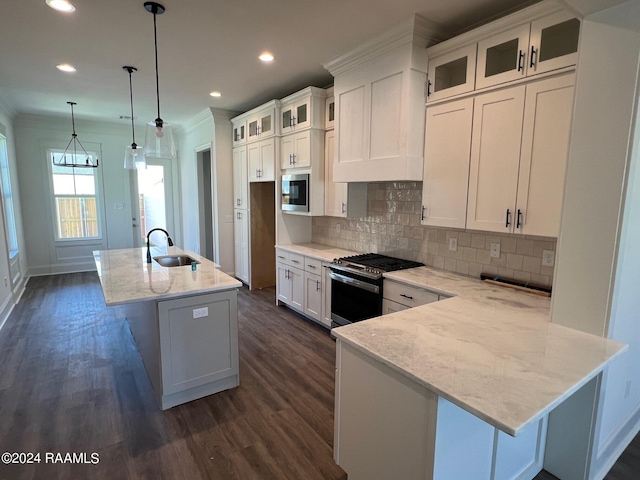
column 152, row 199
column 206, row 209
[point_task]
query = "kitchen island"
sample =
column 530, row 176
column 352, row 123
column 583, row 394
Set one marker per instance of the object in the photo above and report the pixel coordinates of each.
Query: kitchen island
column 459, row 388
column 184, row 321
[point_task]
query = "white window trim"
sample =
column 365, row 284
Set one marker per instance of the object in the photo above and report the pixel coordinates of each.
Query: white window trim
column 99, row 202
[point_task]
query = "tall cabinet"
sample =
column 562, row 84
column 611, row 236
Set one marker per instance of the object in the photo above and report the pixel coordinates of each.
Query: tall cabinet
column 498, row 119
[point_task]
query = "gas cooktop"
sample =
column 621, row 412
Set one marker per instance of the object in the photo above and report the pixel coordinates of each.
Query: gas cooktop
column 372, row 265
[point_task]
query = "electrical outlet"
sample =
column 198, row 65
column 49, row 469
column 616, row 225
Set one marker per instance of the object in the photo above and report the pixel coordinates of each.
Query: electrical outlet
column 228, row 219
column 200, row 312
column 337, row 228
column 548, row 258
column 495, row 250
column 453, row 244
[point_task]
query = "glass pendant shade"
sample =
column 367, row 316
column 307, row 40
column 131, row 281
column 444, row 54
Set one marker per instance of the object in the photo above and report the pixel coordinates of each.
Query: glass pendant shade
column 158, row 142
column 134, row 157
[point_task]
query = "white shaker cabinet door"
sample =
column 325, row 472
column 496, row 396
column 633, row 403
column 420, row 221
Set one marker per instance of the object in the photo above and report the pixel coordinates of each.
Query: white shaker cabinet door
column 545, row 144
column 240, row 178
column 495, row 159
column 446, row 164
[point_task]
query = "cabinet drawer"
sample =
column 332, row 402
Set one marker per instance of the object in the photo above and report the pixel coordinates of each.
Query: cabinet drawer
column 290, row 258
column 312, row 265
column 409, row 296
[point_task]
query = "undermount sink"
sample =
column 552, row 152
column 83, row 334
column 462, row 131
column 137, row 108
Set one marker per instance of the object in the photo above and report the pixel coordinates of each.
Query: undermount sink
column 174, row 260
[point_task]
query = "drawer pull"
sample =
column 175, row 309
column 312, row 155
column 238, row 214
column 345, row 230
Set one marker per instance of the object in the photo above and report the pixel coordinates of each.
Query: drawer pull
column 295, row 261
column 406, row 296
column 280, row 256
column 311, row 266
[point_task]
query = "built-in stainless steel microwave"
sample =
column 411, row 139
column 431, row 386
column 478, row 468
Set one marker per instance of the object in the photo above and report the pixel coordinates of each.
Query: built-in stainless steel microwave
column 295, row 193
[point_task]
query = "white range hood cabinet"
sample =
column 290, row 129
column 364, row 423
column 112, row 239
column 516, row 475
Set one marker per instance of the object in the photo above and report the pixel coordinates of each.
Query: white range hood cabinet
column 380, row 100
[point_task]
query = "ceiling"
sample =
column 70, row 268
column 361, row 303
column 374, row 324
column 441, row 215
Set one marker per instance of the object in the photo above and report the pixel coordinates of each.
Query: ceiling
column 204, row 45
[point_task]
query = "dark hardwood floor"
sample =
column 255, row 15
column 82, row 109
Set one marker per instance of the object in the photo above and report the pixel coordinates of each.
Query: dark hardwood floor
column 72, row 381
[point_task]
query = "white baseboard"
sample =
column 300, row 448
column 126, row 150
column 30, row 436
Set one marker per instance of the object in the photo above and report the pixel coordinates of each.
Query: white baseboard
column 12, row 300
column 41, row 270
column 615, row 446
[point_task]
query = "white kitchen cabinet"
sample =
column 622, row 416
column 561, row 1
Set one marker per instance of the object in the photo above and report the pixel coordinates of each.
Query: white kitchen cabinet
column 240, row 178
column 261, row 124
column 452, row 74
column 553, row 43
column 546, row 44
column 239, row 131
column 304, row 285
column 380, row 108
column 313, row 295
column 447, row 152
column 545, row 143
column 189, row 345
column 406, row 295
column 516, row 178
column 241, row 244
column 326, row 296
column 295, row 150
column 303, row 109
column 330, row 112
column 503, row 57
column 341, row 199
column 261, row 158
column 389, row 306
column 495, row 157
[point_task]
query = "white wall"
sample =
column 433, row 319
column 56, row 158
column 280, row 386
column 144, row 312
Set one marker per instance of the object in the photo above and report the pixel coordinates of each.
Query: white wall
column 209, row 130
column 33, row 134
column 10, row 293
column 596, row 281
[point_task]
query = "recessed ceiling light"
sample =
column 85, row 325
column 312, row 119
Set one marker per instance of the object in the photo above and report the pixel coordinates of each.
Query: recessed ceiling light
column 266, row 57
column 65, row 67
column 215, row 94
column 61, row 5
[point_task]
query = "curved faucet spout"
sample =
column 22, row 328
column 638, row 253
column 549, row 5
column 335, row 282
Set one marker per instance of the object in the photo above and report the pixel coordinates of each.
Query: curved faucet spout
column 169, row 241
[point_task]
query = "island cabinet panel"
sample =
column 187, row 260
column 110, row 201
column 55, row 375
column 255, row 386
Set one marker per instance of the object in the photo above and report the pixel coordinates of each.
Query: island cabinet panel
column 388, row 426
column 198, row 338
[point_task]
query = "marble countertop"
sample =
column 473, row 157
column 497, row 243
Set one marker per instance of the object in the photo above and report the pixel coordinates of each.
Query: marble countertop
column 126, row 277
column 490, row 350
column 318, row 251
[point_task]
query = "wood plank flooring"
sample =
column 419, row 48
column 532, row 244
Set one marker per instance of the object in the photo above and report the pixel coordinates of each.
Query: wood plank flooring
column 72, row 381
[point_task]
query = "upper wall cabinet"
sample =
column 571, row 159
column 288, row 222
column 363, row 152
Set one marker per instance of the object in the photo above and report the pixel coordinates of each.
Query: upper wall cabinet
column 452, row 74
column 262, row 121
column 539, row 39
column 303, row 109
column 546, row 44
column 379, row 91
column 239, row 126
column 330, row 112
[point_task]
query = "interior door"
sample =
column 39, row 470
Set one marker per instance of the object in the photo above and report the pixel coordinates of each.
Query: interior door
column 152, row 200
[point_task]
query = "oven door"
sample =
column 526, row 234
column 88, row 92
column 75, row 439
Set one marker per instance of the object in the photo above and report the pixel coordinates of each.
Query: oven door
column 354, row 299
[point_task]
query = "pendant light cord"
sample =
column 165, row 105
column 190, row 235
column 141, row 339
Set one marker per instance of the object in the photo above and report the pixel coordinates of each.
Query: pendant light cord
column 133, row 130
column 155, row 44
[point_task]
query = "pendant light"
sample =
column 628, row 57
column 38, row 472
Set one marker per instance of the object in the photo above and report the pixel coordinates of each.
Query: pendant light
column 158, row 140
column 64, row 161
column 133, row 154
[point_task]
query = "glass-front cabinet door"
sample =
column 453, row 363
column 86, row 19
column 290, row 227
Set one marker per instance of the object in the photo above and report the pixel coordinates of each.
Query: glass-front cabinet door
column 554, row 43
column 261, row 125
column 503, row 57
column 296, row 115
column 452, row 74
column 239, row 133
column 330, row 113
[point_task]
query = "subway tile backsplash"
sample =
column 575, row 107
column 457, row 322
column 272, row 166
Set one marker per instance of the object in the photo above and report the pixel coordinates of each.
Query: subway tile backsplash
column 393, row 227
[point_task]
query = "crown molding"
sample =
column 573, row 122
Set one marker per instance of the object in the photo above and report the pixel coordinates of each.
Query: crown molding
column 415, row 31
column 222, row 115
column 496, row 27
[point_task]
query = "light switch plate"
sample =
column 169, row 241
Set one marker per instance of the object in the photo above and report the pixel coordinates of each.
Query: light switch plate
column 495, row 250
column 200, row 312
column 453, row 244
column 548, row 258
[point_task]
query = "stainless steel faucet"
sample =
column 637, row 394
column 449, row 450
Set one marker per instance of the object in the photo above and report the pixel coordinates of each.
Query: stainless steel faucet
column 169, row 241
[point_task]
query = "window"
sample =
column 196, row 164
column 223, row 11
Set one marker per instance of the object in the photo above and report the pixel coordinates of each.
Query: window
column 7, row 196
column 74, row 200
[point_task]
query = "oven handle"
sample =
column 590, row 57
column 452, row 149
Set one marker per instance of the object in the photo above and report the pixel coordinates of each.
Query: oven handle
column 353, row 282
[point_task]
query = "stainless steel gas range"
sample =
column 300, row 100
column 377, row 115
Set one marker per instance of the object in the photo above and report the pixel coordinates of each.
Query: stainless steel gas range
column 356, row 285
